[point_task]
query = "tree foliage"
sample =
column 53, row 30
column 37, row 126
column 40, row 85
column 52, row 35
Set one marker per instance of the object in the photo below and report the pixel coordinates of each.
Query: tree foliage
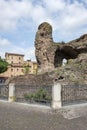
column 3, row 65
column 26, row 69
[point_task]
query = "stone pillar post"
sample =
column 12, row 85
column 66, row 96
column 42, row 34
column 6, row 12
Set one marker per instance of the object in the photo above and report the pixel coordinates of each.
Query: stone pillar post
column 56, row 96
column 11, row 92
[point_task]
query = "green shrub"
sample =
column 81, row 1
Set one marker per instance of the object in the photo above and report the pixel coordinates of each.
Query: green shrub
column 3, row 65
column 40, row 95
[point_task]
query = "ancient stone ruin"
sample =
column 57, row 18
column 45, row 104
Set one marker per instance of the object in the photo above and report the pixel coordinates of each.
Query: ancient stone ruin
column 50, row 55
column 64, row 62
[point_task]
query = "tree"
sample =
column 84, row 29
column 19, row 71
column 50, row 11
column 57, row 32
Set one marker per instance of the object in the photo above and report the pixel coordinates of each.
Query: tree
column 26, row 69
column 3, row 65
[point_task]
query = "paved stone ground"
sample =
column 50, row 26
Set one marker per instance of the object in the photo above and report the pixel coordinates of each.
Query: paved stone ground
column 15, row 116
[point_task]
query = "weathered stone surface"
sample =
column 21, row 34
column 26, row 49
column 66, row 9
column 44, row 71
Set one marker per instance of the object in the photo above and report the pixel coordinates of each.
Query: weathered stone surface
column 43, row 45
column 47, row 52
column 33, row 80
column 50, row 55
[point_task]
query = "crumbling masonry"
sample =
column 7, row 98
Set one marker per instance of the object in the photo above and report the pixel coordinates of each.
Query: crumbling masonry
column 49, row 54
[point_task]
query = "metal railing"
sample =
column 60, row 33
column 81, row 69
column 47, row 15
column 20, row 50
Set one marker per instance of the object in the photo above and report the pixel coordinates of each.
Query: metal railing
column 33, row 94
column 4, row 91
column 55, row 96
column 74, row 94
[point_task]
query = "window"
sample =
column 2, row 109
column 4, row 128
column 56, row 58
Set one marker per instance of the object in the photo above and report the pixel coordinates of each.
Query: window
column 12, row 57
column 22, row 70
column 11, row 70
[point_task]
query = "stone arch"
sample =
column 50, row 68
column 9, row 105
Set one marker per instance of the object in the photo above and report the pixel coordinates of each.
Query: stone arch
column 60, row 58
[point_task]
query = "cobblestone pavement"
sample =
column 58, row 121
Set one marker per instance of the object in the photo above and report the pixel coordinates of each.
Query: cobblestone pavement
column 15, row 116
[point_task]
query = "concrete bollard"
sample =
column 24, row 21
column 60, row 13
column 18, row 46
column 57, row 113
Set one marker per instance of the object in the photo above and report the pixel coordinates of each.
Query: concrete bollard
column 56, row 96
column 11, row 92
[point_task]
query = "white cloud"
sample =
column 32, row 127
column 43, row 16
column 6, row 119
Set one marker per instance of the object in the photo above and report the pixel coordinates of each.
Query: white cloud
column 71, row 19
column 7, row 46
column 63, row 15
column 4, row 42
column 54, row 5
column 75, row 16
column 38, row 13
column 67, row 18
column 12, row 11
column 28, row 52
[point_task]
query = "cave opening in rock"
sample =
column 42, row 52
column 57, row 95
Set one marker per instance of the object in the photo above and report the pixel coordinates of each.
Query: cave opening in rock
column 58, row 58
column 64, row 62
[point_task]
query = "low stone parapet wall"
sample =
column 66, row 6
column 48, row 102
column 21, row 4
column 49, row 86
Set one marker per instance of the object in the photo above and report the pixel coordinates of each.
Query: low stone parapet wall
column 55, row 95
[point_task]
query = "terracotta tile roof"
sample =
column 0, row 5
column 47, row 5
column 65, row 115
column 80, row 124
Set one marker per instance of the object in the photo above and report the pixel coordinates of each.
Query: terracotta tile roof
column 13, row 54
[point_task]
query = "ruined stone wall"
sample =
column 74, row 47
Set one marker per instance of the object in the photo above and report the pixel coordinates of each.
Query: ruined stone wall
column 46, row 49
column 43, row 52
column 50, row 55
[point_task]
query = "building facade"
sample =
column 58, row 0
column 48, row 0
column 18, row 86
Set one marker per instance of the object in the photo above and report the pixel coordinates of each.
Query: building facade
column 17, row 65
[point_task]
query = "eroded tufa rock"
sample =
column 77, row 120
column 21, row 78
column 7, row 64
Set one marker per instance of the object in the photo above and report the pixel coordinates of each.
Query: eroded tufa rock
column 50, row 55
column 43, row 45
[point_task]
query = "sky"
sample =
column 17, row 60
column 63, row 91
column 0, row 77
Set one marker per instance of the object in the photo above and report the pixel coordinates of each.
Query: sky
column 19, row 21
